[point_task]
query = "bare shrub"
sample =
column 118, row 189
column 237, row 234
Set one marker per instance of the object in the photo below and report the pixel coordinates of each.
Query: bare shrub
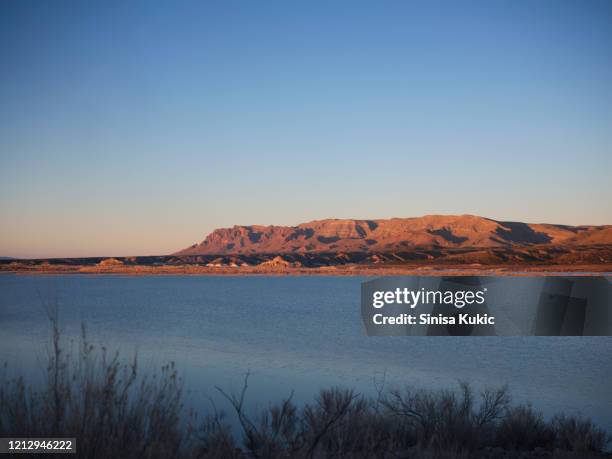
column 523, row 428
column 327, row 421
column 447, row 419
column 276, row 431
column 212, row 438
column 578, row 434
column 94, row 397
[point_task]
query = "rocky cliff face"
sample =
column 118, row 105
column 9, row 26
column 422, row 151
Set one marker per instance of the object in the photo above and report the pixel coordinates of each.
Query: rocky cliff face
column 394, row 235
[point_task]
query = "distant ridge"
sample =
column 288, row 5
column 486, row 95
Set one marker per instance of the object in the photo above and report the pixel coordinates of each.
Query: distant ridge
column 394, row 235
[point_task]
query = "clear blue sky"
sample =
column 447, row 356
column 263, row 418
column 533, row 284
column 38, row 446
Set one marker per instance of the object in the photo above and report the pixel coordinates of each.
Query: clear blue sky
column 132, row 128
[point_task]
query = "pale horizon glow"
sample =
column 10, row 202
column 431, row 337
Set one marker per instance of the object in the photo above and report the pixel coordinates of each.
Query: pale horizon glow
column 138, row 128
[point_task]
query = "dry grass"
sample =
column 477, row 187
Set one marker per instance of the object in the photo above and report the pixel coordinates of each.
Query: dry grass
column 89, row 394
column 114, row 411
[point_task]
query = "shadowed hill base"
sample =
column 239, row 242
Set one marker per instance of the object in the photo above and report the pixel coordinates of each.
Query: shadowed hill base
column 596, row 258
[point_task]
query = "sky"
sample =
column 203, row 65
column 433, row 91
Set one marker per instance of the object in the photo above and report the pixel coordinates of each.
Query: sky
column 136, row 128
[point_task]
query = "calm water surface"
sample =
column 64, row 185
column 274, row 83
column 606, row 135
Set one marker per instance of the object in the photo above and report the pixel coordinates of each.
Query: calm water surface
column 292, row 333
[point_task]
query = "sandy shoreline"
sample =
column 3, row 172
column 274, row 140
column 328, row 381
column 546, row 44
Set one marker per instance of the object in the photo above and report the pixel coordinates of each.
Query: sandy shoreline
column 348, row 270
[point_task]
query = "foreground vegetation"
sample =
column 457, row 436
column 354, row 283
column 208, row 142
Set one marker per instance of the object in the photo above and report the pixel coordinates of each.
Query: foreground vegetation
column 114, row 411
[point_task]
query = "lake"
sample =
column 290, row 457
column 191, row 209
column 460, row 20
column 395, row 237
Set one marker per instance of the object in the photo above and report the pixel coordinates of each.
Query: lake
column 291, row 333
